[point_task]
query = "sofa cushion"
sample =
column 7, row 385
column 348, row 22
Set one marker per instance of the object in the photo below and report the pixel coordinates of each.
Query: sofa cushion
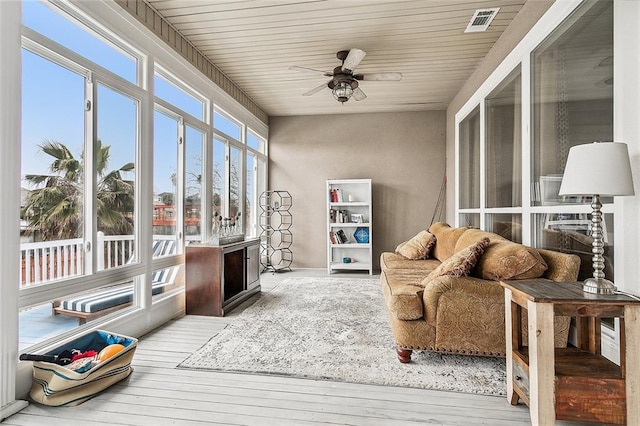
column 506, row 260
column 403, row 292
column 446, row 239
column 390, row 260
column 418, row 247
column 474, row 235
column 461, row 263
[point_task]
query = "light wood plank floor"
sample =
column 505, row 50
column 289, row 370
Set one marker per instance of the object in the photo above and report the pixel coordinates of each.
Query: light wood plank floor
column 159, row 394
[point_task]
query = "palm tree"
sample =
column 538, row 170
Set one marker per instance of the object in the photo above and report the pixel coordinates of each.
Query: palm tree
column 55, row 207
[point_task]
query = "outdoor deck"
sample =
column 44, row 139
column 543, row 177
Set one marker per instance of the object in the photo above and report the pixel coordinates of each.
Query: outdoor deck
column 38, row 324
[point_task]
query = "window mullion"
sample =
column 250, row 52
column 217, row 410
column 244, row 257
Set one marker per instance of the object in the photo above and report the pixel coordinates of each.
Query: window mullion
column 90, row 185
column 180, row 183
column 227, row 178
column 483, row 166
column 526, row 99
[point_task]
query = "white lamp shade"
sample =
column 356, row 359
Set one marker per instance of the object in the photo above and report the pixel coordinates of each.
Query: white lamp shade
column 601, row 168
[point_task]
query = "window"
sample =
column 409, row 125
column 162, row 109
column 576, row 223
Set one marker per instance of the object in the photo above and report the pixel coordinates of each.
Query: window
column 256, row 142
column 236, row 181
column 251, row 202
column 505, row 224
column 195, row 142
column 219, row 196
column 570, row 99
column 62, row 30
column 89, row 164
column 227, row 124
column 115, row 168
column 53, row 201
column 166, row 133
column 469, row 170
column 504, row 144
column 572, row 95
column 179, row 97
column 79, row 173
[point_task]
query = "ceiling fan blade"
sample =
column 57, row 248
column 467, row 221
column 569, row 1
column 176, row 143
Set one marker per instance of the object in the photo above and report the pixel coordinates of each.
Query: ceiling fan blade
column 353, row 59
column 305, row 69
column 379, row 76
column 358, row 94
column 316, row 89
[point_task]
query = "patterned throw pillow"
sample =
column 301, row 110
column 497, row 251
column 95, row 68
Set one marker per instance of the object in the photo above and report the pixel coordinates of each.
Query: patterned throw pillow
column 461, row 263
column 418, row 247
column 506, row 260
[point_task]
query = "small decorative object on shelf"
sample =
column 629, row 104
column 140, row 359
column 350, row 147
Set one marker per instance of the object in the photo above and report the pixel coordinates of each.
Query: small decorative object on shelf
column 349, row 225
column 226, row 231
column 276, row 237
column 361, row 235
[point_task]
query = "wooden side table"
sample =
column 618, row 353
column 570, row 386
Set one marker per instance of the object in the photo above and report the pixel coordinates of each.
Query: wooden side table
column 573, row 383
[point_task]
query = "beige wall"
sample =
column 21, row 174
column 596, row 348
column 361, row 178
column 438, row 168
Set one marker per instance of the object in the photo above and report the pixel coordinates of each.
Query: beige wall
column 530, row 13
column 403, row 154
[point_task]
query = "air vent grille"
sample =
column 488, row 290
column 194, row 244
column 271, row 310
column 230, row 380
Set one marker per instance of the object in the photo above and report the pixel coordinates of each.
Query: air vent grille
column 481, row 20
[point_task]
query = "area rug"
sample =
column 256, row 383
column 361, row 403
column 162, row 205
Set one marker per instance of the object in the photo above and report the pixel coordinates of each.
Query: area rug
column 336, row 329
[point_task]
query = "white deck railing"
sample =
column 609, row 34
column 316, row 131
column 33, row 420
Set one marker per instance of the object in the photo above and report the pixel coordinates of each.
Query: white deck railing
column 52, row 260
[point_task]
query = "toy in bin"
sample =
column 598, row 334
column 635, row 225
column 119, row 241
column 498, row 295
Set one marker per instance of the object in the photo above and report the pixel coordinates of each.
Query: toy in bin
column 76, row 371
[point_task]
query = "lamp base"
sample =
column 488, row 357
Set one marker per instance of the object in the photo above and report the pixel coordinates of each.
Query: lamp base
column 598, row 286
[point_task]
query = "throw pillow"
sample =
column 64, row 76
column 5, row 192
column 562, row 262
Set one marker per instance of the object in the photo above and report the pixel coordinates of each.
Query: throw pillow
column 506, row 260
column 418, row 247
column 446, row 237
column 470, row 236
column 460, row 263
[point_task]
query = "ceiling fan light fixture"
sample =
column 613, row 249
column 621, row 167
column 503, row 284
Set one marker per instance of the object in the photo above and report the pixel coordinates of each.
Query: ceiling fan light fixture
column 342, row 91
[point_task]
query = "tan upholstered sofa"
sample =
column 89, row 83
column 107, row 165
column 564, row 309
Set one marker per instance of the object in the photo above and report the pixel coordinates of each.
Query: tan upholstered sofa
column 463, row 314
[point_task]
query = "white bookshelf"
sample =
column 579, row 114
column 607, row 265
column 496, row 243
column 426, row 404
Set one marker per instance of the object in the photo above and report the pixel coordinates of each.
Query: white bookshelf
column 348, row 202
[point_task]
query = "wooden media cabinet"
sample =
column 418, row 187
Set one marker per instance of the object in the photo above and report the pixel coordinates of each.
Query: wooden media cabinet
column 218, row 278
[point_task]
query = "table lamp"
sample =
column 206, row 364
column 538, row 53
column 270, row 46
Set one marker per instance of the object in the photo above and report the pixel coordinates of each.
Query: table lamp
column 597, row 169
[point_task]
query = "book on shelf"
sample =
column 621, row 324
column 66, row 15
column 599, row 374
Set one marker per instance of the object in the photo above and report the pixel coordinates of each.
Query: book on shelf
column 332, row 237
column 343, row 216
column 332, row 215
column 342, row 237
column 339, row 216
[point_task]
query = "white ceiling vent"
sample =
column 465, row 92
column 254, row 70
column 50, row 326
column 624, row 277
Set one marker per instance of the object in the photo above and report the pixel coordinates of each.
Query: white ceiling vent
column 481, row 20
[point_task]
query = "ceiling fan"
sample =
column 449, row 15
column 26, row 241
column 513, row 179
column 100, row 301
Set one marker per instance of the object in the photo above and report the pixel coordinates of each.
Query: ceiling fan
column 344, row 83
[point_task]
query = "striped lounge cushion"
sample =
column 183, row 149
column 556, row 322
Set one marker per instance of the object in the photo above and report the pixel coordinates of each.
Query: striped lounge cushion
column 114, row 296
column 107, row 298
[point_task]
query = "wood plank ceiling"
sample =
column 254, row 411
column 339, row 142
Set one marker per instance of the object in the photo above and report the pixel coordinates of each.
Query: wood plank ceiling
column 254, row 42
